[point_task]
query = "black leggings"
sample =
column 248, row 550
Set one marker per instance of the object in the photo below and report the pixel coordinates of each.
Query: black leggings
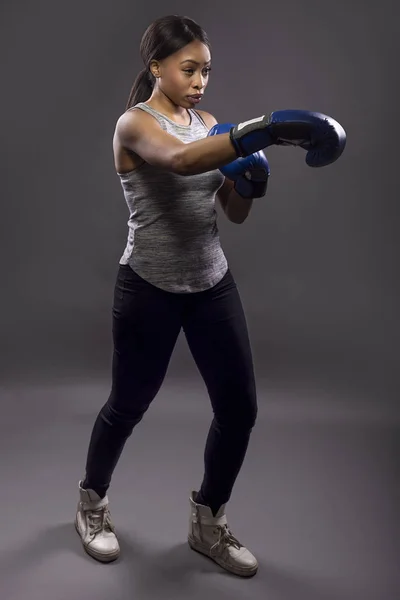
column 146, row 325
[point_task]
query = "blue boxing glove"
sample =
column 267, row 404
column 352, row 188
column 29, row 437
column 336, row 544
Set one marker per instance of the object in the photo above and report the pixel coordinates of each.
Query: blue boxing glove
column 322, row 137
column 250, row 174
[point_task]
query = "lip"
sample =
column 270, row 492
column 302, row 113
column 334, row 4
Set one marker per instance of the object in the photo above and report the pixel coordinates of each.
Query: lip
column 195, row 97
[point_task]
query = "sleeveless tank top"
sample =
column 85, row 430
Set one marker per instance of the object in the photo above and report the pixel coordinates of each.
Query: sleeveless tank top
column 173, row 239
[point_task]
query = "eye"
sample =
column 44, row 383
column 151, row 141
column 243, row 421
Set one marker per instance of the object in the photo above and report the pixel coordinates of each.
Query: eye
column 190, row 72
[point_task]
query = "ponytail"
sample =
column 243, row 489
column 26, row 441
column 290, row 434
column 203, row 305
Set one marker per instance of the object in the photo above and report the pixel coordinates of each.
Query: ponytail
column 141, row 89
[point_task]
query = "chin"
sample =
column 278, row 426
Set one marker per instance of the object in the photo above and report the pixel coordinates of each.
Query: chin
column 182, row 103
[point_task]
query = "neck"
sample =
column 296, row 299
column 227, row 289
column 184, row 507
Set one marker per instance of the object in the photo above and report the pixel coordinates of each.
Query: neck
column 160, row 102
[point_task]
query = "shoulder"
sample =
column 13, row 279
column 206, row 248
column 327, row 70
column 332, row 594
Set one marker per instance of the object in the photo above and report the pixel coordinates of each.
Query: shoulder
column 208, row 118
column 135, row 119
column 135, row 115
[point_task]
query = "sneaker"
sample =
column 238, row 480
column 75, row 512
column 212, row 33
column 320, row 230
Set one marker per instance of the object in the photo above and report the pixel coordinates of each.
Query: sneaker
column 212, row 537
column 93, row 524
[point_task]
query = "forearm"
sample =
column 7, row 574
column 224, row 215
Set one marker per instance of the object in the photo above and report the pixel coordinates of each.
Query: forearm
column 237, row 208
column 204, row 155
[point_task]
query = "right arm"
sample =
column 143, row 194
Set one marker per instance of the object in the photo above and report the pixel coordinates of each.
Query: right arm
column 140, row 132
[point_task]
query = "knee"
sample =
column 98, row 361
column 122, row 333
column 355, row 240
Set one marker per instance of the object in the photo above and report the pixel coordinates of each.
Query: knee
column 123, row 418
column 248, row 415
column 240, row 413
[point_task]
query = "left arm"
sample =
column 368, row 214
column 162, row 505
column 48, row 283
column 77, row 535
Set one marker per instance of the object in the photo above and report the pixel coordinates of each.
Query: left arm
column 235, row 207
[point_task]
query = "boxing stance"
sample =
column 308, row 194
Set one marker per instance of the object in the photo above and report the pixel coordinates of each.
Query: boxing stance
column 173, row 162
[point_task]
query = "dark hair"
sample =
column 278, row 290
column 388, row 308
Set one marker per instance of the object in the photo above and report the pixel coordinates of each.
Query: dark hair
column 163, row 37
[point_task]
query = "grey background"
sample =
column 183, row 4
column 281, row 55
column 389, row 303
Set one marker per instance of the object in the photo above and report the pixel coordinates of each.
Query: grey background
column 316, row 264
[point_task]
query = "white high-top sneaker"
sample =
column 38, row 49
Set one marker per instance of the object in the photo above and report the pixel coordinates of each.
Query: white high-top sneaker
column 93, row 524
column 212, row 537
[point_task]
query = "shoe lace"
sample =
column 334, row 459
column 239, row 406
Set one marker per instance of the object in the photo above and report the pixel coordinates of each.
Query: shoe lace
column 99, row 520
column 225, row 538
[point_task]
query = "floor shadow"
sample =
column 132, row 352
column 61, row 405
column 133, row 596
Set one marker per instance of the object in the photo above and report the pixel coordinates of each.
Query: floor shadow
column 176, row 572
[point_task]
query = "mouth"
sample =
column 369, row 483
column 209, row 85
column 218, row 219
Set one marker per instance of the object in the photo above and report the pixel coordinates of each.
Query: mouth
column 195, row 97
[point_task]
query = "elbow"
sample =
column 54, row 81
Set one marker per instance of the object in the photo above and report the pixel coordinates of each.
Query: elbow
column 180, row 164
column 237, row 220
column 237, row 214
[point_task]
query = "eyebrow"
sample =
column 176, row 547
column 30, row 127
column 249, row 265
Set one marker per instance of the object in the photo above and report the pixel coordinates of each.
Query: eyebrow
column 189, row 60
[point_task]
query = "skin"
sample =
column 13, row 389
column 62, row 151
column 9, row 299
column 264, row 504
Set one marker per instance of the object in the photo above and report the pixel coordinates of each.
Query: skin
column 180, row 75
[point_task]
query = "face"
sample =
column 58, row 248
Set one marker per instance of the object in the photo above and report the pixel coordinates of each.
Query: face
column 183, row 76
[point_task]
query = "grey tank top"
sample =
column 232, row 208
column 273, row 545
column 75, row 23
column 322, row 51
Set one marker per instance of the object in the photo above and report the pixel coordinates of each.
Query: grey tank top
column 173, row 239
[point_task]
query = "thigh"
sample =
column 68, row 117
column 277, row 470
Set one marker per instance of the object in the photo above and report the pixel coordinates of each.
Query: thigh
column 216, row 331
column 146, row 325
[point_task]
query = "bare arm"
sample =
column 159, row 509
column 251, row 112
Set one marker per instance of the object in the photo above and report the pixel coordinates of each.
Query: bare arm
column 141, row 133
column 235, row 207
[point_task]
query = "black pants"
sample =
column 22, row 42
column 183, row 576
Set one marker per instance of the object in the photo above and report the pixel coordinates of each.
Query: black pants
column 146, row 325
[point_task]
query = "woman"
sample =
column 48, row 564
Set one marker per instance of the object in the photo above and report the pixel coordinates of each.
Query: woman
column 173, row 274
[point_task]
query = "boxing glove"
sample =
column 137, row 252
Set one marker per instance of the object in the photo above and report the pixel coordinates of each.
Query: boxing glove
column 250, row 173
column 322, row 137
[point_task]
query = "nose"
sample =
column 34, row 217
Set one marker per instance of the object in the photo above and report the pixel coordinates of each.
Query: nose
column 199, row 82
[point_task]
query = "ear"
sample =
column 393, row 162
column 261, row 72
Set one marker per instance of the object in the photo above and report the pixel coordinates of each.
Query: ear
column 155, row 68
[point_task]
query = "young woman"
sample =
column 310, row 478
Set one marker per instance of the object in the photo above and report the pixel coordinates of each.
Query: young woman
column 173, row 161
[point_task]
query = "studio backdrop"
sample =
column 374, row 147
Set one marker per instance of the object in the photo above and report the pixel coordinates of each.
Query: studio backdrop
column 316, row 262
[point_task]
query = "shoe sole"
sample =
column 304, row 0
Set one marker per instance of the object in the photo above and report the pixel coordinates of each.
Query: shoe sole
column 235, row 570
column 103, row 558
